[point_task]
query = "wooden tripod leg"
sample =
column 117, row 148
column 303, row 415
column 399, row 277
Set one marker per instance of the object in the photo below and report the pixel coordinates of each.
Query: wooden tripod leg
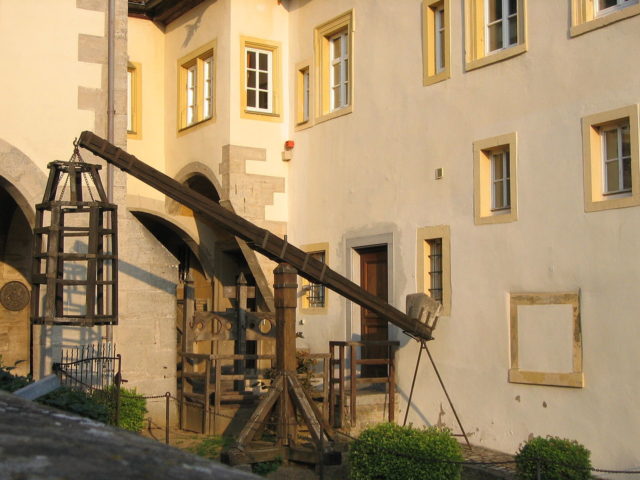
column 260, row 413
column 320, row 430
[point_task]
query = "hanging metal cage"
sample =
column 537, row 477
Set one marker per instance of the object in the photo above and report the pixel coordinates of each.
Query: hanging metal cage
column 75, row 261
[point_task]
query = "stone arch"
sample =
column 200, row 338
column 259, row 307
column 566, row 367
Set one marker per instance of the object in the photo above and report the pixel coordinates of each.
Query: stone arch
column 201, row 172
column 22, row 179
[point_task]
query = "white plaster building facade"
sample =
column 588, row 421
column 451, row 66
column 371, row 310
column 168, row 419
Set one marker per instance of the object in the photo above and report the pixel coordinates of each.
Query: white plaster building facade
column 508, row 130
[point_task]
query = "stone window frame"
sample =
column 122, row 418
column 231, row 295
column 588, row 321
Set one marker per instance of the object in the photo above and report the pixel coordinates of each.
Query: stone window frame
column 575, row 378
column 594, row 198
column 430, row 10
column 585, row 18
column 424, row 234
column 134, row 100
column 195, row 60
column 304, row 304
column 275, row 113
column 476, row 54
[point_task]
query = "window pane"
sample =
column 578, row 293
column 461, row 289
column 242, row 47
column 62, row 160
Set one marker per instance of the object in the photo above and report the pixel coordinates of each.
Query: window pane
column 336, row 97
column 264, row 81
column 513, row 6
column 264, row 100
column 264, row 61
column 495, row 36
column 507, row 192
column 336, row 74
column 612, row 177
column 602, row 4
column 494, row 10
column 337, row 49
column 513, row 30
column 345, row 69
column 626, row 141
column 611, row 144
column 626, row 174
column 251, row 79
column 251, row 98
column 498, row 172
column 498, row 195
column 251, row 59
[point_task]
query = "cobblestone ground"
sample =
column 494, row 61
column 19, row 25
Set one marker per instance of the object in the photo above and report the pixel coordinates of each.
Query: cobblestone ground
column 501, row 465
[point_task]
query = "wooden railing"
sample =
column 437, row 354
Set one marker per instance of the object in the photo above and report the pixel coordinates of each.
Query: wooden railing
column 209, row 373
column 345, row 369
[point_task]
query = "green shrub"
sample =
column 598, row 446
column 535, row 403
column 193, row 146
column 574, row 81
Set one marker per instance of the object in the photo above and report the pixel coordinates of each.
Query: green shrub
column 210, row 447
column 133, row 407
column 393, row 452
column 78, row 402
column 11, row 382
column 265, row 468
column 559, row 458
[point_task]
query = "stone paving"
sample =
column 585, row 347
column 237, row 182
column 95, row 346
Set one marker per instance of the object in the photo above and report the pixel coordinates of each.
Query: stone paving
column 498, row 464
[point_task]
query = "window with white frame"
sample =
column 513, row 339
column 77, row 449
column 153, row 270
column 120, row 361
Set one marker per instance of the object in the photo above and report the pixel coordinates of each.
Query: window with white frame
column 611, row 150
column 588, row 15
column 259, row 80
column 339, row 54
column 494, row 179
column 616, row 158
column 605, row 7
column 501, row 183
column 435, row 38
column 197, row 86
column 494, row 31
column 333, row 67
column 501, row 24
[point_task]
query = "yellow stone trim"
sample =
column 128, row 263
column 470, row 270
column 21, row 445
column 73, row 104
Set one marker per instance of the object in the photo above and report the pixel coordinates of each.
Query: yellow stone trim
column 322, row 34
column 594, row 200
column 276, row 62
column 196, row 57
column 429, row 8
column 475, row 50
column 304, row 303
column 574, row 378
column 136, row 101
column 422, row 248
column 301, row 124
column 583, row 17
column 482, row 179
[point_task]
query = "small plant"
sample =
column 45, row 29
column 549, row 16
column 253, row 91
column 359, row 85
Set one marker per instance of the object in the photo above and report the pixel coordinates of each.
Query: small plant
column 265, row 468
column 78, row 402
column 557, row 459
column 11, row 382
column 305, row 366
column 133, row 407
column 210, row 447
column 393, row 452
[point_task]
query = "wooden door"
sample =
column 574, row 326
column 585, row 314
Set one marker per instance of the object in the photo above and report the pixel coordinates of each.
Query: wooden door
column 373, row 278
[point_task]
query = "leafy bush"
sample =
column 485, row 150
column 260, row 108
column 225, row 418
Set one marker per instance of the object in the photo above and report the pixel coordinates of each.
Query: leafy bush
column 559, row 458
column 265, row 468
column 11, row 382
column 133, row 407
column 78, row 402
column 210, row 447
column 393, row 452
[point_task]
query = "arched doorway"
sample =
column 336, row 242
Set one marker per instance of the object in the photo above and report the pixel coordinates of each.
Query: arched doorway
column 16, row 239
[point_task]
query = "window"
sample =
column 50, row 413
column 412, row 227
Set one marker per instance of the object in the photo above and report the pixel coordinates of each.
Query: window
column 610, row 150
column 334, row 52
column 314, row 295
column 434, row 265
column 303, row 95
column 494, row 176
column 260, row 79
column 587, row 15
column 501, row 185
column 196, row 87
column 495, row 30
column 134, row 100
column 436, row 41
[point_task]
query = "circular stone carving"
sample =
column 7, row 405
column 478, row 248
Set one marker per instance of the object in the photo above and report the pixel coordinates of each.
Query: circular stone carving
column 14, row 296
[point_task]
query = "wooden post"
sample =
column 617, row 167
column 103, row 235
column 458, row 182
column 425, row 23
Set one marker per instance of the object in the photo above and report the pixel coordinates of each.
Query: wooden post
column 241, row 329
column 352, row 382
column 285, row 288
column 392, row 383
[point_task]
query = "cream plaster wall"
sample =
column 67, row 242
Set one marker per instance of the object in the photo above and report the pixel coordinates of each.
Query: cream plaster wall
column 34, row 87
column 372, row 171
column 146, row 48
